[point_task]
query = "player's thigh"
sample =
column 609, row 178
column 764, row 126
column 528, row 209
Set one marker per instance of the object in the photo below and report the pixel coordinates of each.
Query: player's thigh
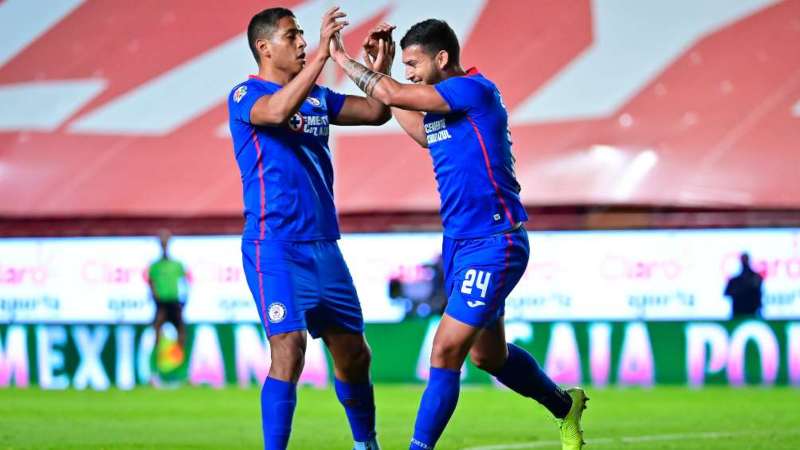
column 452, row 342
column 281, row 277
column 483, row 274
column 339, row 306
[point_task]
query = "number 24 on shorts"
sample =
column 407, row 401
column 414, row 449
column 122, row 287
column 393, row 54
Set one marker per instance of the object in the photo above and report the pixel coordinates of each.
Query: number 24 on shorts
column 477, row 279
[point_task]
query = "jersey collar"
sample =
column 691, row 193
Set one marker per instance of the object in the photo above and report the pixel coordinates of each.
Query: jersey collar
column 473, row 71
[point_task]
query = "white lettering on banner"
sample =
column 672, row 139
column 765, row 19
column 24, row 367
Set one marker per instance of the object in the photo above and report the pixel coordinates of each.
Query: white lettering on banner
column 700, row 338
column 90, row 371
column 252, row 355
column 50, row 359
column 793, row 352
column 636, row 365
column 206, row 365
column 600, row 353
column 147, row 343
column 563, row 363
column 728, row 353
column 124, row 337
column 14, row 358
column 767, row 344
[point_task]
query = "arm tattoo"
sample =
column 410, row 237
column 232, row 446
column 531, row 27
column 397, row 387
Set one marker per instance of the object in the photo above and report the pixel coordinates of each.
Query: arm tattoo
column 364, row 78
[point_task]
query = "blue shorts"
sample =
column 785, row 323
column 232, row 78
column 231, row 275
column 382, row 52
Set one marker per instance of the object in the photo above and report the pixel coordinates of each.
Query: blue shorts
column 301, row 286
column 480, row 273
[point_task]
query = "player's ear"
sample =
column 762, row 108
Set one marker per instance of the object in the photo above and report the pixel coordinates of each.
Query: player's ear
column 262, row 45
column 442, row 59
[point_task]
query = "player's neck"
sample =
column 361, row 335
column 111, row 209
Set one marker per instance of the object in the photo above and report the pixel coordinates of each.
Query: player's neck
column 455, row 71
column 274, row 75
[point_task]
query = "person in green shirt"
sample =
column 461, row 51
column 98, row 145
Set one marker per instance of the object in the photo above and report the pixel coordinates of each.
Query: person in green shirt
column 167, row 279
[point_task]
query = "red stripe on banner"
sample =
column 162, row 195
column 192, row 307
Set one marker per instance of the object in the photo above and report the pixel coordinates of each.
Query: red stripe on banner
column 489, row 170
column 263, row 215
column 261, row 299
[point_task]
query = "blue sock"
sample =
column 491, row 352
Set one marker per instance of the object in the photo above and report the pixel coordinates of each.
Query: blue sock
column 359, row 405
column 278, row 399
column 437, row 405
column 523, row 375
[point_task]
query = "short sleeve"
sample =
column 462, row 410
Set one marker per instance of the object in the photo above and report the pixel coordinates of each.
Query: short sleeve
column 242, row 99
column 463, row 93
column 335, row 101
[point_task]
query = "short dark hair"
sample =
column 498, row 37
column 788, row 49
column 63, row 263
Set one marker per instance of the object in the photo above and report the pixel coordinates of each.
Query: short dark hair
column 263, row 25
column 433, row 35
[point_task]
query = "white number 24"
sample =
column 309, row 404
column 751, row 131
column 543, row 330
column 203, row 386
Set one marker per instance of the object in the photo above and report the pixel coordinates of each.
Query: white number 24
column 476, row 278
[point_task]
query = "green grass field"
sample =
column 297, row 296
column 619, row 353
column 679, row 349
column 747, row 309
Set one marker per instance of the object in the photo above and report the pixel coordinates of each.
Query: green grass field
column 486, row 418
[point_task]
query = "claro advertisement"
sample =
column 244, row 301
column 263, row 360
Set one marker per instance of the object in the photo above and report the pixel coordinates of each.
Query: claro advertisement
column 625, row 275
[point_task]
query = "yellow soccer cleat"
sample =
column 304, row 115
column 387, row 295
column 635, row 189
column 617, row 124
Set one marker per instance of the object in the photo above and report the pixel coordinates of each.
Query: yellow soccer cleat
column 570, row 426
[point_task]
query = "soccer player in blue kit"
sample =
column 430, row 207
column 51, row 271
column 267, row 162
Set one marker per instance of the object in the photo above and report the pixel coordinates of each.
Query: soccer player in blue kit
column 460, row 117
column 279, row 121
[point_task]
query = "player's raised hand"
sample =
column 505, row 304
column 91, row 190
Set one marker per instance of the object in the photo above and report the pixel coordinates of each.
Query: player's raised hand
column 336, row 48
column 331, row 25
column 379, row 48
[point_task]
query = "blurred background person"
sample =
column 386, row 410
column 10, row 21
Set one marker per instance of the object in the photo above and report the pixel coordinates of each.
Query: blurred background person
column 744, row 291
column 167, row 280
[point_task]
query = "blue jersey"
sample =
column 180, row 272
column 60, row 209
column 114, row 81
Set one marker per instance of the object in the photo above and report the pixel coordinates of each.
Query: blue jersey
column 287, row 172
column 471, row 151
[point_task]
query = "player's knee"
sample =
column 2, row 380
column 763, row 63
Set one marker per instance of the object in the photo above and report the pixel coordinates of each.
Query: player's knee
column 449, row 355
column 363, row 358
column 485, row 361
column 288, row 357
column 287, row 365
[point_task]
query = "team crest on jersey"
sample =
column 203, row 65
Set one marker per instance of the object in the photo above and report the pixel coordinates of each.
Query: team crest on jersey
column 237, row 96
column 276, row 312
column 296, row 122
column 314, row 101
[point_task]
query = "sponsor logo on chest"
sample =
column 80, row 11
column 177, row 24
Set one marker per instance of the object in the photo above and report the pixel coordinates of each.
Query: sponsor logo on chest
column 313, row 125
column 436, row 131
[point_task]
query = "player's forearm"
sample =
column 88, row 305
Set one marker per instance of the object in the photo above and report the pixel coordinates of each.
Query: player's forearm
column 285, row 102
column 412, row 123
column 376, row 85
